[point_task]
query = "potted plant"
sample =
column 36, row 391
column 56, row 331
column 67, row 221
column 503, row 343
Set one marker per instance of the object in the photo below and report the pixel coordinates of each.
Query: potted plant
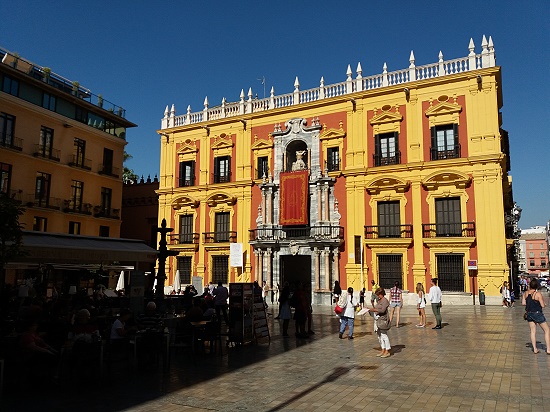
column 46, row 71
column 99, row 100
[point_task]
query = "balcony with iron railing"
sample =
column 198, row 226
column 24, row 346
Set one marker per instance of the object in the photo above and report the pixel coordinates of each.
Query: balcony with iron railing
column 333, row 165
column 73, row 206
column 323, row 232
column 184, row 238
column 185, row 182
column 445, row 152
column 9, row 141
column 221, row 178
column 108, row 170
column 220, row 237
column 46, row 152
column 383, row 160
column 249, row 104
column 80, row 162
column 389, row 231
column 45, row 202
column 106, row 212
column 461, row 229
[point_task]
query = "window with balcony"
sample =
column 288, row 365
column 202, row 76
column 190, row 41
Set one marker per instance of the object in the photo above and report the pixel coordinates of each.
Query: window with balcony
column 386, row 149
column 184, row 266
column 222, row 226
column 220, row 269
column 262, row 167
column 222, row 169
column 74, row 228
column 448, row 217
column 10, row 86
column 333, row 159
column 7, row 129
column 445, row 142
column 106, row 198
column 187, row 174
column 532, row 263
column 42, row 189
column 77, row 189
column 186, row 229
column 39, row 224
column 45, row 147
column 49, row 101
column 389, row 219
column 79, row 153
column 5, row 178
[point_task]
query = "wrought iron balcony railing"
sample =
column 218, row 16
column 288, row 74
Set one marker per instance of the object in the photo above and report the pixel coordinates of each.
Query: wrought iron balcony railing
column 389, row 231
column 221, row 178
column 72, row 206
column 189, row 181
column 101, row 211
column 11, row 142
column 461, row 229
column 184, row 238
column 81, row 162
column 46, row 152
column 445, row 152
column 380, row 160
column 109, row 170
column 220, row 237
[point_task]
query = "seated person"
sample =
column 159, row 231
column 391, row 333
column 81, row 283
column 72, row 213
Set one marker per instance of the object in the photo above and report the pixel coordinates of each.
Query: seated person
column 195, row 313
column 83, row 330
column 150, row 320
column 119, row 332
column 39, row 356
column 210, row 310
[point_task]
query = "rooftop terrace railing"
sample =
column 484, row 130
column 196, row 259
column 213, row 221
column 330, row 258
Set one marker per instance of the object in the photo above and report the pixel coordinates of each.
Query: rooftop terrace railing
column 386, row 79
column 53, row 79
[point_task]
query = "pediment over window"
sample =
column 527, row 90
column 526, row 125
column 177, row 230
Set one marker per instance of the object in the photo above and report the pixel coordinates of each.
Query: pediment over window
column 443, row 108
column 386, row 117
column 260, row 143
column 185, row 201
column 221, row 198
column 222, row 141
column 332, row 133
column 448, row 178
column 375, row 186
column 187, row 146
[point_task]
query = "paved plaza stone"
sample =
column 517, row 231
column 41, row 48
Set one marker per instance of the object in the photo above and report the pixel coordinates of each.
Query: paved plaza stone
column 481, row 360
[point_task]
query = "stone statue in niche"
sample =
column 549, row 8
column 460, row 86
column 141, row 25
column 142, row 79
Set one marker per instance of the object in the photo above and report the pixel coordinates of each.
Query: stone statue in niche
column 299, row 164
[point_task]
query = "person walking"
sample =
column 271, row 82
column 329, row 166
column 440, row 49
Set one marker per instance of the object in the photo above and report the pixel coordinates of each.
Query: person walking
column 435, row 298
column 284, row 308
column 534, row 302
column 505, row 292
column 421, row 305
column 220, row 302
column 362, row 298
column 265, row 292
column 373, row 296
column 336, row 292
column 348, row 317
column 381, row 309
column 396, row 302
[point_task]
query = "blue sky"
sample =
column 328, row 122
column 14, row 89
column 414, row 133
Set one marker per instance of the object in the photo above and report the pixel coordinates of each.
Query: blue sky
column 145, row 55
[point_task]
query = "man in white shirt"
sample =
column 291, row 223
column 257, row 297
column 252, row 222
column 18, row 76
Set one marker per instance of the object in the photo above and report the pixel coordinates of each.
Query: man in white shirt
column 435, row 297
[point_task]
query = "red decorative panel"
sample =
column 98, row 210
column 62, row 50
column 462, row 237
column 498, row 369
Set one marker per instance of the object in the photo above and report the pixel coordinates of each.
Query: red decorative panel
column 294, row 198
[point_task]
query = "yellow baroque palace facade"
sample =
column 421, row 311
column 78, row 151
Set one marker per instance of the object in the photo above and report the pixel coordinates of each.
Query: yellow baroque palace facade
column 406, row 178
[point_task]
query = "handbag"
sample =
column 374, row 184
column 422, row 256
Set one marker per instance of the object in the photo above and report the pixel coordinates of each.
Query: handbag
column 338, row 309
column 383, row 322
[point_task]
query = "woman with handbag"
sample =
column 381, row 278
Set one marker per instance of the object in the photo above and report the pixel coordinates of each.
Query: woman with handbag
column 534, row 302
column 421, row 305
column 382, row 322
column 348, row 317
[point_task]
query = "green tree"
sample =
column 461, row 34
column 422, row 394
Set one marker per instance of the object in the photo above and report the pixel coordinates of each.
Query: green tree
column 11, row 233
column 128, row 175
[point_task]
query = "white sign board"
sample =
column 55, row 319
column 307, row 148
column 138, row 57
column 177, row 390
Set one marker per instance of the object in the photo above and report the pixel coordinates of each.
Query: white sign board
column 236, row 255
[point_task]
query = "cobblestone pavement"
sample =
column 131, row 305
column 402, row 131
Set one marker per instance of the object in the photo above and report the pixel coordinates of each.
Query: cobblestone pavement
column 481, row 360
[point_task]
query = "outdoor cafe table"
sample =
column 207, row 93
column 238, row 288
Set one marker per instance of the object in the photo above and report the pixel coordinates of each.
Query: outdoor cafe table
column 138, row 337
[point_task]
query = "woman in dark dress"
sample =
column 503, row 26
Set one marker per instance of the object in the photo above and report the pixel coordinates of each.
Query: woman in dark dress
column 534, row 302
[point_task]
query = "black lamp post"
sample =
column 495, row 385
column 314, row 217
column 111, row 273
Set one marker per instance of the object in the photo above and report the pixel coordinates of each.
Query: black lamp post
column 163, row 253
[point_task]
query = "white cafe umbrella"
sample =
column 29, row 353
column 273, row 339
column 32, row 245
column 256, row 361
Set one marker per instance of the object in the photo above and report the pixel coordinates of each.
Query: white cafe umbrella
column 177, row 281
column 120, row 283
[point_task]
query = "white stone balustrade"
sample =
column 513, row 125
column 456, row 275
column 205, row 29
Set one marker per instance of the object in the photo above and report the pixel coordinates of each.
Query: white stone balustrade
column 442, row 68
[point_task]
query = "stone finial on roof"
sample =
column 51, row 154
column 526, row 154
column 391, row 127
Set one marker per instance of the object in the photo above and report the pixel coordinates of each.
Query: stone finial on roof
column 348, row 73
column 296, row 84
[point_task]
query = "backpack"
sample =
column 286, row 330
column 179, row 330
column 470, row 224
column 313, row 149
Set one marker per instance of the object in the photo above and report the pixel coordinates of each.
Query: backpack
column 343, row 300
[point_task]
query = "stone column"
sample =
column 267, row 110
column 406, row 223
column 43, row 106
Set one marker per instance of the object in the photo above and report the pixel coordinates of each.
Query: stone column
column 326, row 205
column 327, row 268
column 316, row 256
column 263, row 206
column 269, row 201
column 268, row 277
column 336, row 263
column 319, row 202
column 259, row 268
